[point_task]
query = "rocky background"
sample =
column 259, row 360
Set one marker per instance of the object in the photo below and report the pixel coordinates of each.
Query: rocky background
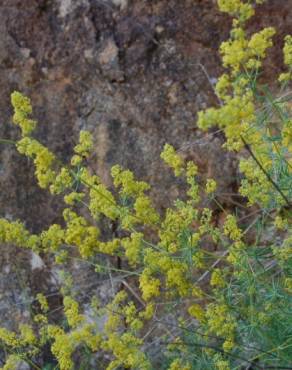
column 133, row 72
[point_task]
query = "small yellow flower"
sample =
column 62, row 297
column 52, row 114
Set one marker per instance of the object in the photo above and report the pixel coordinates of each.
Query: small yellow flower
column 171, row 158
column 211, row 186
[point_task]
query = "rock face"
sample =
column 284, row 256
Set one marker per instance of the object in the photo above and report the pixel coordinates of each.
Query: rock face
column 134, row 73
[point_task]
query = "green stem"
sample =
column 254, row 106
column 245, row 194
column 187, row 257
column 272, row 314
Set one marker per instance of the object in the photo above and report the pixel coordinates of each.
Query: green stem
column 7, row 141
column 247, row 147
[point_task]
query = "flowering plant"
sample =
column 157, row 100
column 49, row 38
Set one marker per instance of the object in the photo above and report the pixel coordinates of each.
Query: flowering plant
column 204, row 309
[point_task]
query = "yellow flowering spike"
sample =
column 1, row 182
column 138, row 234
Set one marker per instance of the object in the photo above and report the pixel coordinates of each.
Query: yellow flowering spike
column 149, row 285
column 221, row 364
column 197, row 312
column 27, row 335
column 145, row 212
column 172, row 159
column 62, row 181
column 287, row 135
column 15, row 233
column 43, row 160
column 217, row 279
column 223, row 86
column 103, row 202
column 240, row 10
column 110, row 247
column 22, row 111
column 85, row 145
column 129, row 186
column 261, row 41
column 9, row 338
column 177, row 364
column 231, row 229
column 73, row 197
column 62, row 349
column 288, row 51
column 12, row 363
column 71, row 310
column 211, row 186
column 53, row 238
column 192, row 169
column 221, row 322
column 133, row 248
column 148, row 312
column 43, row 302
column 281, row 223
column 40, row 319
column 126, row 350
column 80, row 234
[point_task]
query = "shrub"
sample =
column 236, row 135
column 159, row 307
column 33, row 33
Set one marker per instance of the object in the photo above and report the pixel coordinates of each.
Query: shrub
column 185, row 307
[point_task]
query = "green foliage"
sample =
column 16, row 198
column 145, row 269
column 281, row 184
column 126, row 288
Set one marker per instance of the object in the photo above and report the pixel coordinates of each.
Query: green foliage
column 185, row 307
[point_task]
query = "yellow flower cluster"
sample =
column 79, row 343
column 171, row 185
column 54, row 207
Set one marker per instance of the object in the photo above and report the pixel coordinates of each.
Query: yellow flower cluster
column 80, row 234
column 42, row 158
column 178, row 364
column 211, row 186
column 43, row 302
column 62, row 181
column 126, row 350
column 285, row 77
column 284, row 252
column 281, row 223
column 73, row 197
column 145, row 212
column 149, row 285
column 221, row 322
column 235, row 117
column 15, row 233
column 22, row 111
column 133, row 248
column 27, row 335
column 129, row 186
column 236, row 8
column 53, row 238
column 231, row 229
column 64, row 344
column 101, row 200
column 125, row 345
column 71, row 310
column 287, row 135
column 83, row 148
column 9, row 338
column 221, row 364
column 62, row 348
column 172, row 159
column 197, row 311
column 239, row 52
column 218, row 278
column 12, row 363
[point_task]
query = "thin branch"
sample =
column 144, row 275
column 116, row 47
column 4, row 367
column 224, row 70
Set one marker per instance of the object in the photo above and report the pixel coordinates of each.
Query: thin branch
column 248, row 148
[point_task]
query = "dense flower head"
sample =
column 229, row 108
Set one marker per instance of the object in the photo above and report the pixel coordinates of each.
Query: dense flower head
column 236, row 8
column 129, row 186
column 173, row 160
column 210, row 186
column 71, row 309
column 22, row 111
column 149, row 285
column 85, row 144
column 43, row 159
